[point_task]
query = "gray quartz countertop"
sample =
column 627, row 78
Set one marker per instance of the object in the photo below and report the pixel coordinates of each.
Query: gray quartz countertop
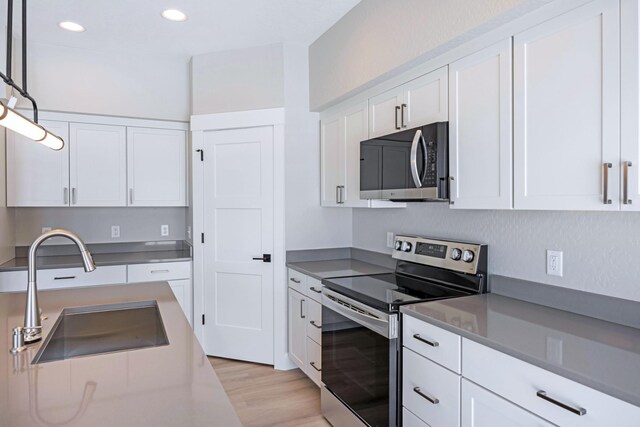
column 120, row 258
column 599, row 354
column 171, row 385
column 337, row 268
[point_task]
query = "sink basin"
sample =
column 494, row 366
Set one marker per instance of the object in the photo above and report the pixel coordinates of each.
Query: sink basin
column 86, row 331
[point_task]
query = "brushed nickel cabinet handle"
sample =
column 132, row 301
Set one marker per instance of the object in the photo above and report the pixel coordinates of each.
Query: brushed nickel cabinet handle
column 337, row 194
column 294, row 280
column 433, row 400
column 398, row 127
column 74, row 196
column 159, row 271
column 317, row 291
column 313, row 365
column 625, row 187
column 605, row 177
column 431, row 343
column 131, row 196
column 64, row 278
column 578, row 411
column 403, row 116
column 302, row 316
column 313, row 323
column 65, row 196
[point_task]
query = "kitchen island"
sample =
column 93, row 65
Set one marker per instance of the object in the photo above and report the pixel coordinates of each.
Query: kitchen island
column 170, row 385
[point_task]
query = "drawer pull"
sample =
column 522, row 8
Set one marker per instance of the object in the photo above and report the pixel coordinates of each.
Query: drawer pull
column 313, row 323
column 433, row 400
column 578, row 411
column 313, row 365
column 159, row 271
column 64, row 278
column 294, row 280
column 431, row 343
column 317, row 291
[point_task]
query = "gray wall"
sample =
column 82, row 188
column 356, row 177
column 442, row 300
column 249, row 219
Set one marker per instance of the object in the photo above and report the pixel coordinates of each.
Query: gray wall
column 378, row 38
column 94, row 224
column 238, row 80
column 600, row 248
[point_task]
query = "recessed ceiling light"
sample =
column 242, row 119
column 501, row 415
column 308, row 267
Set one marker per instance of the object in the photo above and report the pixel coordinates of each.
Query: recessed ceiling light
column 174, row 15
column 71, row 26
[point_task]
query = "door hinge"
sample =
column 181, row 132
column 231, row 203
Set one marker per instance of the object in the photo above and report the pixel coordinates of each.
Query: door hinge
column 202, row 238
column 203, row 319
column 201, row 154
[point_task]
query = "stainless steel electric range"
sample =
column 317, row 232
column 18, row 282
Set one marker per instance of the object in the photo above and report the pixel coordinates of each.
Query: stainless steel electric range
column 361, row 330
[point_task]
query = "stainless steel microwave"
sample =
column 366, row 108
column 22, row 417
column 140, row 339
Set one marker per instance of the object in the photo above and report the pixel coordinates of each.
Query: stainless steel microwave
column 412, row 165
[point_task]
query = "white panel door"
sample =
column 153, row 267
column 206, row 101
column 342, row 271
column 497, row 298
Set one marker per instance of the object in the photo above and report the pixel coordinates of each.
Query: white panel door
column 480, row 142
column 182, row 291
column 156, row 166
column 354, row 130
column 481, row 408
column 238, row 226
column 630, row 105
column 298, row 328
column 384, row 113
column 567, row 111
column 426, row 100
column 98, row 163
column 332, row 161
column 37, row 175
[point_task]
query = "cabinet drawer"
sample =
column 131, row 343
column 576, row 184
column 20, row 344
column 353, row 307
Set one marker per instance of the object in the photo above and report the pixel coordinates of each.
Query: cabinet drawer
column 430, row 391
column 298, row 281
column 314, row 324
column 158, row 271
column 410, row 420
column 314, row 361
column 71, row 277
column 520, row 382
column 13, row 281
column 441, row 346
column 314, row 289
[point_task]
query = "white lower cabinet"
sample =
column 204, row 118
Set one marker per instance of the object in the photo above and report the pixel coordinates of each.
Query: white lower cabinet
column 480, row 408
column 410, row 420
column 305, row 324
column 60, row 278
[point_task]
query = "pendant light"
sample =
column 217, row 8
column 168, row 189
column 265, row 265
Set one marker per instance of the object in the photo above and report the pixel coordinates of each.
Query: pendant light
column 10, row 118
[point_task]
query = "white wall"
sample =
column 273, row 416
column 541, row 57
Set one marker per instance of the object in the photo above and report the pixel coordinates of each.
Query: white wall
column 94, row 224
column 307, row 224
column 237, row 80
column 381, row 38
column 112, row 83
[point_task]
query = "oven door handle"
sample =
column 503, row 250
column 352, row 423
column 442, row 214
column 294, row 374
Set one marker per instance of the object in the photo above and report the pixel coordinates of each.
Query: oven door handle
column 414, row 158
column 384, row 324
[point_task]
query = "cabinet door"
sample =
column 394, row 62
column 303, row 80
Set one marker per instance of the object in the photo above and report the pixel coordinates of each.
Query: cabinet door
column 297, row 329
column 480, row 129
column 384, row 113
column 182, row 291
column 426, row 100
column 630, row 105
column 332, row 161
column 355, row 123
column 481, row 408
column 156, row 167
column 98, row 165
column 37, row 175
column 567, row 111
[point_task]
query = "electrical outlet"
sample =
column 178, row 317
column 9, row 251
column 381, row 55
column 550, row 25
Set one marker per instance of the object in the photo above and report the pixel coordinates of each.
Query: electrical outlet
column 164, row 230
column 115, row 231
column 390, row 239
column 45, row 229
column 554, row 263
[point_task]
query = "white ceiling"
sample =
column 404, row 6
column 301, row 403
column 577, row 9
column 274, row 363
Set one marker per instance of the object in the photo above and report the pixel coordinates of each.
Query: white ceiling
column 213, row 25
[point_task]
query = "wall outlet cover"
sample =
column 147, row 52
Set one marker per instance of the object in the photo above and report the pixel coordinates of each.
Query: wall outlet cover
column 554, row 263
column 164, row 230
column 390, row 239
column 115, row 231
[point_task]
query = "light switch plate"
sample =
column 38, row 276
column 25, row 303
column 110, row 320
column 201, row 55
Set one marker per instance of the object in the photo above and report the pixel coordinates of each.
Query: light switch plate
column 115, row 231
column 164, row 230
column 554, row 263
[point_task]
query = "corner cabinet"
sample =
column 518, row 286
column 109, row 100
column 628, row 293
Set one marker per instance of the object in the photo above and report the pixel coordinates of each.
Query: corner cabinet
column 110, row 163
column 341, row 132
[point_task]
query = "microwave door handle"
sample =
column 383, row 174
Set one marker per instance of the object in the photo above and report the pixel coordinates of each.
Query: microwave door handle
column 414, row 158
column 423, row 143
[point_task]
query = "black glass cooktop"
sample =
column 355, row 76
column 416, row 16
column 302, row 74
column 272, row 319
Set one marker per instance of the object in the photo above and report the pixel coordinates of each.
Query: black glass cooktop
column 388, row 292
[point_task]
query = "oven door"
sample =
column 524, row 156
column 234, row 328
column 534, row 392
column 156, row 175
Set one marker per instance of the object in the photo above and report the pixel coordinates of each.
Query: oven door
column 359, row 358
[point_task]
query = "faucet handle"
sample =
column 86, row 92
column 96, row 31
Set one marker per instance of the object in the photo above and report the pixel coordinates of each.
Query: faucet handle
column 18, row 340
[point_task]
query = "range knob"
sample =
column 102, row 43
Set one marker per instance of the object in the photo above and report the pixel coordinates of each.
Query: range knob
column 456, row 254
column 398, row 245
column 406, row 247
column 467, row 255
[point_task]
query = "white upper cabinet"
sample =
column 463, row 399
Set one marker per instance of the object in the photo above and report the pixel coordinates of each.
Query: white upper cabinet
column 630, row 102
column 567, row 111
column 354, row 122
column 418, row 102
column 480, row 141
column 156, row 167
column 37, row 175
column 332, row 161
column 98, row 165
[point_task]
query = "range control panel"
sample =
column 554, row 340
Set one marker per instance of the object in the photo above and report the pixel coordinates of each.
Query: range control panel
column 457, row 256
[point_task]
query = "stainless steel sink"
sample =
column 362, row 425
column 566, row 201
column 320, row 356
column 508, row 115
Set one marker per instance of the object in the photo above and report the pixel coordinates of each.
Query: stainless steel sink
column 86, row 331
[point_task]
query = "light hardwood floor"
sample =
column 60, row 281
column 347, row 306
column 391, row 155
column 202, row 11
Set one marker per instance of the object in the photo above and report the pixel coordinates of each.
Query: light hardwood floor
column 263, row 396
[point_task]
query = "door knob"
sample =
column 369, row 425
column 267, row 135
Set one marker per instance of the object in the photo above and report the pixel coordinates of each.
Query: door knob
column 263, row 258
